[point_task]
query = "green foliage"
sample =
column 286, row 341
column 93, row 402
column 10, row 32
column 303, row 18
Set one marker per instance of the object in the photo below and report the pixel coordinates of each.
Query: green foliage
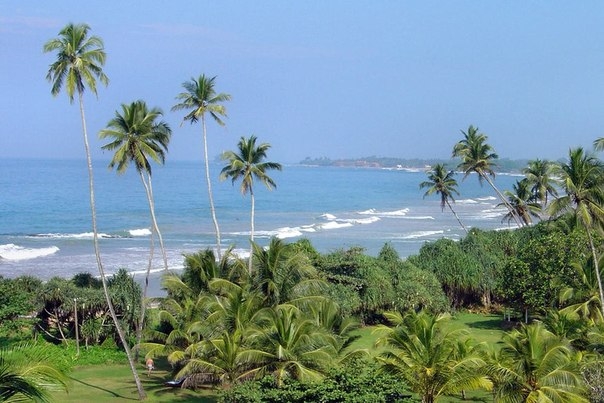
column 16, row 307
column 458, row 272
column 30, row 372
column 542, row 267
column 366, row 275
column 357, row 382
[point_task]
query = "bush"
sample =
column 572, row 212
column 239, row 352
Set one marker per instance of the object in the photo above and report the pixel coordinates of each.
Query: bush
column 356, row 382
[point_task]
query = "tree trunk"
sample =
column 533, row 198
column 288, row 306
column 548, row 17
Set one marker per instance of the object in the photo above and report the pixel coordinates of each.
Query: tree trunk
column 455, row 214
column 77, row 331
column 502, row 198
column 149, row 190
column 210, row 194
column 139, row 386
column 155, row 230
column 596, row 268
column 252, row 230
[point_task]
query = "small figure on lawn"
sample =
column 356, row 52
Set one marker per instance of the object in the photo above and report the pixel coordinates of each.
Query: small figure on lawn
column 150, row 366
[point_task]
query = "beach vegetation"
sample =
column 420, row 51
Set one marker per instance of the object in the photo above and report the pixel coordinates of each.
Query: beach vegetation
column 200, row 98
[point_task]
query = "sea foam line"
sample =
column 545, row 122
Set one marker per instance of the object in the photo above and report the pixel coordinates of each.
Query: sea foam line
column 15, row 252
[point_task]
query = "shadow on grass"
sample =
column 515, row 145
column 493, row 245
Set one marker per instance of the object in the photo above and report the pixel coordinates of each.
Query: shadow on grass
column 100, row 388
column 491, row 324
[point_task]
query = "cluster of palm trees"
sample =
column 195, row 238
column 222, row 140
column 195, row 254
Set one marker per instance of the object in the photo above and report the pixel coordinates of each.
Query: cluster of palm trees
column 532, row 365
column 222, row 325
column 137, row 136
column 579, row 179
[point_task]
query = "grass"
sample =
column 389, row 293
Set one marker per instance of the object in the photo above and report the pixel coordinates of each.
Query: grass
column 114, row 383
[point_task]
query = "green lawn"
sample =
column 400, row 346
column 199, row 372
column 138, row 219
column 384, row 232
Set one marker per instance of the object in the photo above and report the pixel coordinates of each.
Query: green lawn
column 114, row 383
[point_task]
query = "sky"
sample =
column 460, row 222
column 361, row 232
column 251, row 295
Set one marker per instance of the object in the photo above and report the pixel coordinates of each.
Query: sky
column 336, row 79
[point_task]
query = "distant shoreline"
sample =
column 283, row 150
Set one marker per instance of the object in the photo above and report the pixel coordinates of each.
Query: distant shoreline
column 503, row 165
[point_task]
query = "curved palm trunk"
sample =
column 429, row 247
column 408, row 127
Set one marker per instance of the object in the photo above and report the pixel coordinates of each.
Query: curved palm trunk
column 456, row 216
column 141, row 320
column 503, row 199
column 150, row 199
column 597, row 268
column 210, row 194
column 139, row 386
column 252, row 230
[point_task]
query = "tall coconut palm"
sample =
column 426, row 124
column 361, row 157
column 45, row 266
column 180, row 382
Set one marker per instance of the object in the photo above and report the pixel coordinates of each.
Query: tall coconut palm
column 200, row 98
column 247, row 164
column 539, row 174
column 582, row 178
column 478, row 156
column 536, row 366
column 522, row 201
column 429, row 356
column 79, row 63
column 138, row 137
column 444, row 184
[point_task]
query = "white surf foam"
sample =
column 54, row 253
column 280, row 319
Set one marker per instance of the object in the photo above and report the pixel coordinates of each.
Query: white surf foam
column 395, row 213
column 287, row 232
column 421, row 234
column 335, row 225
column 83, row 235
column 328, row 216
column 368, row 220
column 14, row 252
column 140, row 232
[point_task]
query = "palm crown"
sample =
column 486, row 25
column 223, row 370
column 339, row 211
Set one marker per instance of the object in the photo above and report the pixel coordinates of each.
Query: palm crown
column 137, row 136
column 79, row 60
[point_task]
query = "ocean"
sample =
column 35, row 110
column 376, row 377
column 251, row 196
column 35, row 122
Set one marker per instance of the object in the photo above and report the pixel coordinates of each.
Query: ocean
column 45, row 225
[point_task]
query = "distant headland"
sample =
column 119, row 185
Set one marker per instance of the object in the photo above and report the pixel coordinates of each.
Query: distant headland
column 412, row 164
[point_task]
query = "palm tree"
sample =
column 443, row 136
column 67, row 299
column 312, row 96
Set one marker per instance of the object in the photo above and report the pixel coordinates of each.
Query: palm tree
column 79, row 63
column 429, row 357
column 28, row 373
column 581, row 179
column 293, row 345
column 137, row 137
column 522, row 202
column 539, row 174
column 478, row 156
column 248, row 164
column 284, row 274
column 200, row 98
column 585, row 297
column 534, row 365
column 444, row 184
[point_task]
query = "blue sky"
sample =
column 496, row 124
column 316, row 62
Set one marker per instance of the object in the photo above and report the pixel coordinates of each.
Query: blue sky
column 320, row 78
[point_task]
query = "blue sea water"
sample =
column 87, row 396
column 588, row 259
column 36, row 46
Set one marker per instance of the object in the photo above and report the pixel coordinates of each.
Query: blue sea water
column 45, row 225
